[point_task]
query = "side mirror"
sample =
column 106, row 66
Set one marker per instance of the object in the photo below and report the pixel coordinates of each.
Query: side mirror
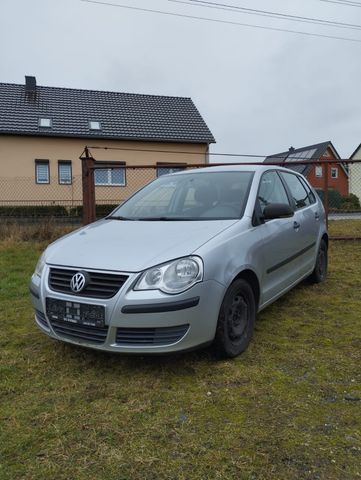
column 277, row 210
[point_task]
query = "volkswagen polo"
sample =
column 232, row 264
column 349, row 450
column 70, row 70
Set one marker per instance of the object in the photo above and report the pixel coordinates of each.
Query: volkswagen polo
column 187, row 261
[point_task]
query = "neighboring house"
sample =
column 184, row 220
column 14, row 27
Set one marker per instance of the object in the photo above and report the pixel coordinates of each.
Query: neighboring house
column 315, row 174
column 43, row 131
column 355, row 173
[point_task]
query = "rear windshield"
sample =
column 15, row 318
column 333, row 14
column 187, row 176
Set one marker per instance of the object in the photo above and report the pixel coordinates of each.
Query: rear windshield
column 190, row 196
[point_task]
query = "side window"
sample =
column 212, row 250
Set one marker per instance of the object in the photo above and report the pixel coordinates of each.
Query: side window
column 298, row 191
column 334, row 172
column 271, row 190
column 42, row 174
column 64, row 172
column 318, row 170
column 109, row 176
column 310, row 194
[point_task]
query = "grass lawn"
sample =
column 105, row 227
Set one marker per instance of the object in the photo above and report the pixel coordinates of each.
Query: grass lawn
column 289, row 408
column 345, row 228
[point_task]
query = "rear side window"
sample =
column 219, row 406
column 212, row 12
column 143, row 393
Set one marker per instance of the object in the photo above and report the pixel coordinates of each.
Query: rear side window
column 311, row 195
column 298, row 191
column 271, row 190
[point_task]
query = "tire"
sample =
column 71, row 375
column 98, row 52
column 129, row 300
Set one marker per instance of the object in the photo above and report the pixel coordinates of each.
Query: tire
column 236, row 320
column 319, row 273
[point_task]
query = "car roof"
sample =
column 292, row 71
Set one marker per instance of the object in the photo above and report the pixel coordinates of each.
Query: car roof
column 233, row 168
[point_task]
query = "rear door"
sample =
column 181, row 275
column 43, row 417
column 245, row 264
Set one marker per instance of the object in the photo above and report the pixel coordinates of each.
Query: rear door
column 307, row 215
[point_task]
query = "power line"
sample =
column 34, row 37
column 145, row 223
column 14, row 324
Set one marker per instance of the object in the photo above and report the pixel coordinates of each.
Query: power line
column 266, row 13
column 344, row 3
column 215, row 154
column 228, row 22
column 149, row 150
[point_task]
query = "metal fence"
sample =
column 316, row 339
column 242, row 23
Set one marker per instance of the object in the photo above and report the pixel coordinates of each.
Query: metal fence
column 102, row 186
column 23, row 200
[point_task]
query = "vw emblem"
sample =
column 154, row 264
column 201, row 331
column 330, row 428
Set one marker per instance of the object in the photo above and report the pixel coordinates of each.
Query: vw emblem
column 77, row 283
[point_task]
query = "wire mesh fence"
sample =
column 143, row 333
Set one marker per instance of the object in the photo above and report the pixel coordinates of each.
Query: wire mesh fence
column 23, row 200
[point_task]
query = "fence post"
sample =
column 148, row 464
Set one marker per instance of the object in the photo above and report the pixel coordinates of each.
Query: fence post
column 325, row 193
column 88, row 161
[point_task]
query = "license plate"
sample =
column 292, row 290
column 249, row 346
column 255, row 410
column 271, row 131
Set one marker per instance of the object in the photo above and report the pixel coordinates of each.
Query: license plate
column 75, row 312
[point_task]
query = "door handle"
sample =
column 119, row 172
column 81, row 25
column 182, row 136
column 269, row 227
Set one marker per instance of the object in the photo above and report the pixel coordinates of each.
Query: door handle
column 317, row 216
column 296, row 225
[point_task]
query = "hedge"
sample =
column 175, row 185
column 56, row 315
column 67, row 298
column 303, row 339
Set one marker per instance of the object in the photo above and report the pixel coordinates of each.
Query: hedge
column 33, row 211
column 338, row 202
column 27, row 211
column 100, row 210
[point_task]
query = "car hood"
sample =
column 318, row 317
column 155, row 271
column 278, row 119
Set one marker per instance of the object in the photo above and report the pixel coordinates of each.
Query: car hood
column 132, row 246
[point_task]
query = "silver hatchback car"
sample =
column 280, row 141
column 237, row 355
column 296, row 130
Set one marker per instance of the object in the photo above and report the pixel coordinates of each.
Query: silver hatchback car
column 185, row 262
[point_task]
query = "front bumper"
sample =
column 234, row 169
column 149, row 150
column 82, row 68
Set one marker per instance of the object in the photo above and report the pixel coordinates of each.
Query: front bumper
column 138, row 321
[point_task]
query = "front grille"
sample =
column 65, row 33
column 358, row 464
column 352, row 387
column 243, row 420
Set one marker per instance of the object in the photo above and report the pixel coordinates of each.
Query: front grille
column 79, row 332
column 40, row 317
column 101, row 285
column 150, row 336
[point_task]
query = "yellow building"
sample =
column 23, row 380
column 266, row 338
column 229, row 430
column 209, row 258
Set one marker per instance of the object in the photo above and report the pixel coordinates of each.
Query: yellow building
column 43, row 132
column 355, row 173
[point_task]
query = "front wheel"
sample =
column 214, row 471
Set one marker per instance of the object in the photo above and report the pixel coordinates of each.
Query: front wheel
column 236, row 320
column 320, row 271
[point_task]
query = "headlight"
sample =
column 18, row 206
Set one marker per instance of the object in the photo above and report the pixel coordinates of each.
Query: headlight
column 172, row 277
column 40, row 265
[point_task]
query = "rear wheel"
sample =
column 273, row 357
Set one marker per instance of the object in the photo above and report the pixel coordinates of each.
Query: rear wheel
column 320, row 271
column 236, row 320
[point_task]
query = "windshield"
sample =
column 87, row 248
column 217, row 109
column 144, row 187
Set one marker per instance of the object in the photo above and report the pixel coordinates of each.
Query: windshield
column 190, row 196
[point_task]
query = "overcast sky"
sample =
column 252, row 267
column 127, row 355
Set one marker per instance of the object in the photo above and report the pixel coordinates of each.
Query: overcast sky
column 259, row 91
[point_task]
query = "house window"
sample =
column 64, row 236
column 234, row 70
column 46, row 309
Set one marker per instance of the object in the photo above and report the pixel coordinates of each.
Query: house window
column 165, row 169
column 64, row 172
column 42, row 171
column 45, row 122
column 110, row 176
column 334, row 172
column 318, row 171
column 94, row 125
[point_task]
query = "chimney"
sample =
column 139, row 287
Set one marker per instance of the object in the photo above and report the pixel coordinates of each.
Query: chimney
column 292, row 149
column 30, row 87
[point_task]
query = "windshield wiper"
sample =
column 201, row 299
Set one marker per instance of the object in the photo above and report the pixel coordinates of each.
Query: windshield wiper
column 118, row 217
column 143, row 219
column 164, row 219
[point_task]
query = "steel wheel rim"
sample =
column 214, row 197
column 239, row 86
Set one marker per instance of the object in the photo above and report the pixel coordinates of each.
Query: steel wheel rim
column 237, row 317
column 321, row 262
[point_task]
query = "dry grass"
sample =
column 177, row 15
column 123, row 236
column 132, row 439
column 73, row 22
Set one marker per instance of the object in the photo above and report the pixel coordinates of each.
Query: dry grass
column 289, row 408
column 47, row 230
column 345, row 228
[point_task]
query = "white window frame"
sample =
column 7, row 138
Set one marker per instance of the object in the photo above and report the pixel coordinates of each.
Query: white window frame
column 95, row 125
column 42, row 163
column 109, row 177
column 64, row 163
column 45, row 122
column 319, row 171
column 334, row 172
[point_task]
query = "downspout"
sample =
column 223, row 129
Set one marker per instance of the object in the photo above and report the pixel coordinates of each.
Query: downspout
column 207, row 154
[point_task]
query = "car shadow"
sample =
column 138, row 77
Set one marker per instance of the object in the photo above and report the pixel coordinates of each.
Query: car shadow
column 180, row 363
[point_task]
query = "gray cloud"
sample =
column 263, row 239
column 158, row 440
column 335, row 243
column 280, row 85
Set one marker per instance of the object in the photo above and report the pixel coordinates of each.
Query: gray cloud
column 259, row 91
